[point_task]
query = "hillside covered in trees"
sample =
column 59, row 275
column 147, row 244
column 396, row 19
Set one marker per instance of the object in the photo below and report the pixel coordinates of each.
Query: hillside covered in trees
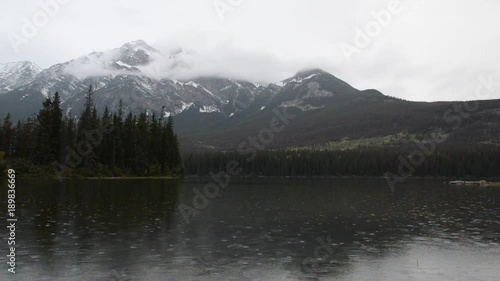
column 111, row 144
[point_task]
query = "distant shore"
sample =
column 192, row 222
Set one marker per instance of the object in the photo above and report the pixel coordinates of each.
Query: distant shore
column 474, row 183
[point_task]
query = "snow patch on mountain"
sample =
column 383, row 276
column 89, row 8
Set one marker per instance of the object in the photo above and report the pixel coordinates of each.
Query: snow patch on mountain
column 226, row 88
column 120, row 63
column 185, row 106
column 192, row 84
column 45, row 92
column 300, row 80
column 209, row 109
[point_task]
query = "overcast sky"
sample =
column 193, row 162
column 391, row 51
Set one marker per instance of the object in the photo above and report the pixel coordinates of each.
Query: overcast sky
column 428, row 50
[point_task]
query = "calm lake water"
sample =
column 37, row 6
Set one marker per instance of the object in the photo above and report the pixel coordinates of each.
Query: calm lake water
column 262, row 229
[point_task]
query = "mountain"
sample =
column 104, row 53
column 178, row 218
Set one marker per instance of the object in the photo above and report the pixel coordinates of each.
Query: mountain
column 128, row 73
column 328, row 112
column 222, row 113
column 16, row 74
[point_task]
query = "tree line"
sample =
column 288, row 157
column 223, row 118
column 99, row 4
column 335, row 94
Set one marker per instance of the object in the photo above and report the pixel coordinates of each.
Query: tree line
column 110, row 144
column 454, row 161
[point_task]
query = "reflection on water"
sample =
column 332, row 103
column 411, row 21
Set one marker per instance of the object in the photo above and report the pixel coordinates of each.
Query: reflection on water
column 257, row 230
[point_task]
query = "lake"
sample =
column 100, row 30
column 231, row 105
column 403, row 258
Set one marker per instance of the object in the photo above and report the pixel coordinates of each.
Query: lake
column 257, row 229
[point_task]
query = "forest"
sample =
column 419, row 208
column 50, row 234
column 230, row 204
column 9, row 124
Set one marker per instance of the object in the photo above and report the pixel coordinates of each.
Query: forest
column 451, row 161
column 113, row 144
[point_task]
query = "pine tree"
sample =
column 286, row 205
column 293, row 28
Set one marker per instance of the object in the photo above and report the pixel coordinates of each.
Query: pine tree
column 56, row 127
column 69, row 131
column 118, row 157
column 86, row 125
column 142, row 144
column 130, row 142
column 85, row 122
column 173, row 161
column 106, row 148
column 154, row 139
column 43, row 153
column 7, row 134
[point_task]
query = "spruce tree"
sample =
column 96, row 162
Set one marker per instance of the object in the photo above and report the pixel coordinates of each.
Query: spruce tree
column 43, row 153
column 106, row 147
column 86, row 125
column 141, row 130
column 154, row 139
column 173, row 161
column 7, row 134
column 56, row 127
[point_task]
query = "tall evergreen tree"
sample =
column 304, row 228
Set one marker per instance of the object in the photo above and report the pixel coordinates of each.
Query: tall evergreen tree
column 56, row 127
column 7, row 134
column 105, row 151
column 154, row 144
column 142, row 138
column 172, row 160
column 86, row 125
column 118, row 157
column 43, row 149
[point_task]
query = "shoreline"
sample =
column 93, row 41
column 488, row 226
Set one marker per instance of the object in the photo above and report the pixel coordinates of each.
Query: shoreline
column 480, row 183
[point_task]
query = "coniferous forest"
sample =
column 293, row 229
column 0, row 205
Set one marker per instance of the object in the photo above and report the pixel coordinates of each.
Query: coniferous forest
column 112, row 144
column 452, row 161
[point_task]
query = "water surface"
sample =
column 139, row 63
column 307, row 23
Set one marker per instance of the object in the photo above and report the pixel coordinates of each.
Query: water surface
column 261, row 229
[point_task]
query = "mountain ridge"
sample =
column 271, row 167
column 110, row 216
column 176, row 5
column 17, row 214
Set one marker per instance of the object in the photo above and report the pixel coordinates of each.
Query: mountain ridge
column 123, row 74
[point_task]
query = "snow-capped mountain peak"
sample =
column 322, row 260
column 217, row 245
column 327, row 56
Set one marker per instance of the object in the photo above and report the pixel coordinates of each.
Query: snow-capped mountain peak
column 126, row 59
column 139, row 45
column 17, row 74
column 305, row 75
column 136, row 53
column 144, row 79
